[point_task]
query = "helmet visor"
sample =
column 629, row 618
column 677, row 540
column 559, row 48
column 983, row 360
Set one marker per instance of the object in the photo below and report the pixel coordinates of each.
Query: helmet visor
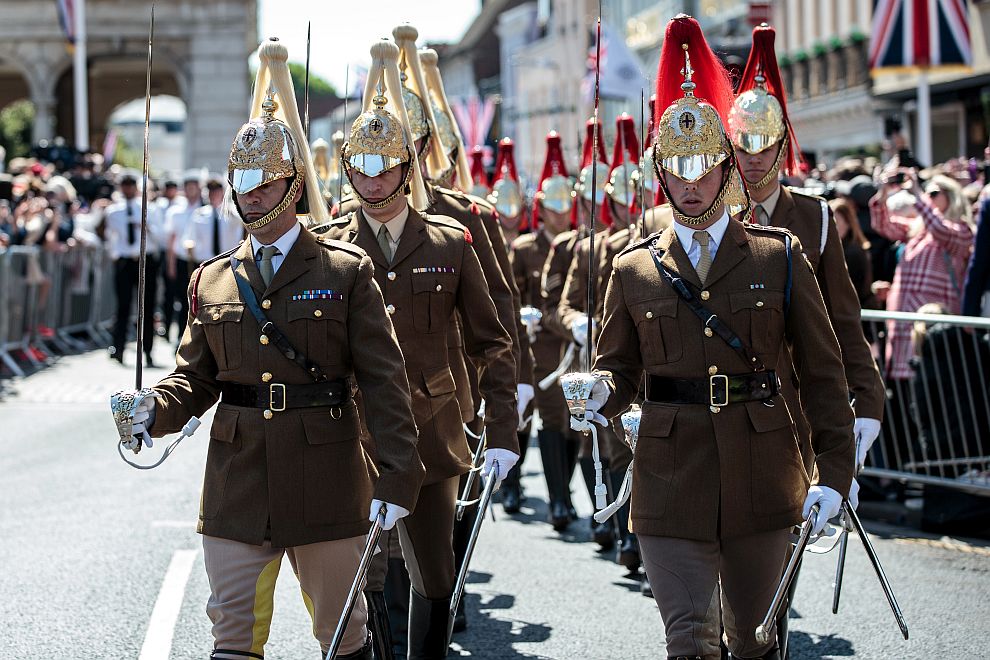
column 372, row 164
column 692, row 168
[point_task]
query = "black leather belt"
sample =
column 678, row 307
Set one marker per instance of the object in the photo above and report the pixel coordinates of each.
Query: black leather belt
column 278, row 396
column 718, row 390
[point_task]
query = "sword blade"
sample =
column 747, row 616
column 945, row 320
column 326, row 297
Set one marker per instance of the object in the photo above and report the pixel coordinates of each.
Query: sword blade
column 309, row 25
column 840, row 568
column 143, row 254
column 875, row 560
column 486, row 499
column 592, row 274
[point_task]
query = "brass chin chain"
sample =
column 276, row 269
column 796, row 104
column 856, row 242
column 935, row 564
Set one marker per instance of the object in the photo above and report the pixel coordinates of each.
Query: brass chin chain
column 775, row 170
column 401, row 190
column 277, row 211
column 693, row 221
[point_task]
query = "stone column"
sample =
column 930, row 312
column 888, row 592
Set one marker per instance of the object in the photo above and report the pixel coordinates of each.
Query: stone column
column 44, row 117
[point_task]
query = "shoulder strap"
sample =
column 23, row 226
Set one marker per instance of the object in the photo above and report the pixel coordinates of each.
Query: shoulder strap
column 281, row 342
column 708, row 318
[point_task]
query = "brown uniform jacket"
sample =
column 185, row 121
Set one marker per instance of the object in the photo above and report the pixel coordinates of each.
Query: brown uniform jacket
column 802, row 215
column 554, row 276
column 434, row 273
column 700, row 474
column 304, row 470
column 528, row 254
column 574, row 299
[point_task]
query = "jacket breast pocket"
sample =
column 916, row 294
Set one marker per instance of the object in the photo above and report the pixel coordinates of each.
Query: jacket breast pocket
column 655, row 459
column 761, row 313
column 334, row 465
column 222, row 324
column 656, row 325
column 322, row 324
column 433, row 300
column 224, row 446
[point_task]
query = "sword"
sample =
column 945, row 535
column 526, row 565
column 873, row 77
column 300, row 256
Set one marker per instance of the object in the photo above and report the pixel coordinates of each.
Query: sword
column 309, row 26
column 790, row 571
column 643, row 165
column 343, row 122
column 485, row 502
column 143, row 254
column 476, row 459
column 356, row 585
column 592, row 279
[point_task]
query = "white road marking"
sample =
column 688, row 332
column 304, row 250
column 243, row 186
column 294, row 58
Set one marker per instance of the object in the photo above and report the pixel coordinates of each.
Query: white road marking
column 161, row 625
column 180, row 524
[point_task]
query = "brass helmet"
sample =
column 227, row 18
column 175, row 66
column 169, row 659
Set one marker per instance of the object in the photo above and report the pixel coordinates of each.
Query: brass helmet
column 758, row 119
column 416, row 96
column 622, row 186
column 459, row 174
column 271, row 145
column 479, row 179
column 379, row 139
column 690, row 139
column 337, row 183
column 556, row 191
column 593, row 161
column 506, row 194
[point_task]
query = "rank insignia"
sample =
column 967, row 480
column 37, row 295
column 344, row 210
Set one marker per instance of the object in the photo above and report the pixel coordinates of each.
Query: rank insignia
column 318, row 294
column 758, row 286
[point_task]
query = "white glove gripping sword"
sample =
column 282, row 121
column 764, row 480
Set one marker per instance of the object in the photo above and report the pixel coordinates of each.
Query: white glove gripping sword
column 577, row 388
column 357, row 585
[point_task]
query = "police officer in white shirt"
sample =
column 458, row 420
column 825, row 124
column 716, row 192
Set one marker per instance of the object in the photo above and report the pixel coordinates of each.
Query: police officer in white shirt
column 177, row 266
column 123, row 234
column 211, row 231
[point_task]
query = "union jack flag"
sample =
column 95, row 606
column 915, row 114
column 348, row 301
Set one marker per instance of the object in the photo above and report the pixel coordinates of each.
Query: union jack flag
column 919, row 33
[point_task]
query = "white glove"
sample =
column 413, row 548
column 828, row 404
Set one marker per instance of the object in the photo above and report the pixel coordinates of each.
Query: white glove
column 503, row 459
column 392, row 513
column 579, row 330
column 524, row 394
column 854, row 495
column 144, row 419
column 865, row 430
column 829, row 502
column 599, row 396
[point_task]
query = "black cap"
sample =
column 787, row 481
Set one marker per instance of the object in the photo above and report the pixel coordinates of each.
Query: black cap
column 128, row 179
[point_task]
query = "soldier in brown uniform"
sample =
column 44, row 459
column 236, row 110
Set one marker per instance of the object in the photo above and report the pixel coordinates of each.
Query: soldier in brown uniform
column 550, row 219
column 765, row 145
column 506, row 194
column 280, row 330
column 718, row 475
column 427, row 270
column 617, row 208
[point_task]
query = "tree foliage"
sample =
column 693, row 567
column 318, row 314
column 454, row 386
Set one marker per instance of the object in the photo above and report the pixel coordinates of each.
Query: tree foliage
column 16, row 125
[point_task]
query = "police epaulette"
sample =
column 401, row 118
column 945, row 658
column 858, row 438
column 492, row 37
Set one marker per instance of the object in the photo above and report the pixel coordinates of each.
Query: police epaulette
column 641, row 243
column 333, row 244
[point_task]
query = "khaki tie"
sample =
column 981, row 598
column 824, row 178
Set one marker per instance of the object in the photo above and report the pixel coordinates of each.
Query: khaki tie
column 384, row 244
column 705, row 262
column 266, row 267
column 762, row 216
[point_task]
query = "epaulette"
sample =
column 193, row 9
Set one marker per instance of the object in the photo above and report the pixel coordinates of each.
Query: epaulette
column 344, row 246
column 342, row 221
column 523, row 239
column 194, row 302
column 803, row 192
column 449, row 223
column 641, row 243
column 780, row 231
column 562, row 237
column 474, row 203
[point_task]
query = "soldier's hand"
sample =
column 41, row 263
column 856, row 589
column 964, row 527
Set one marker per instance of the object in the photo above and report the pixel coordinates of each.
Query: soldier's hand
column 502, row 459
column 524, row 394
column 597, row 401
column 579, row 330
column 866, row 431
column 829, row 502
column 393, row 512
column 854, row 494
column 142, row 419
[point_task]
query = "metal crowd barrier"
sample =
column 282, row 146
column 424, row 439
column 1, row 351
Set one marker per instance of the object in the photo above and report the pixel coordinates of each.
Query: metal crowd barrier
column 53, row 302
column 936, row 427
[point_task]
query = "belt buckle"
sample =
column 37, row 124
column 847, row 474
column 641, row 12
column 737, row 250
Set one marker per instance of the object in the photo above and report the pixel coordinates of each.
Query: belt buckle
column 272, row 389
column 714, row 400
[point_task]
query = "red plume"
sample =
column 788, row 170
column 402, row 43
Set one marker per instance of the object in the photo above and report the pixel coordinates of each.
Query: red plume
column 626, row 149
column 713, row 84
column 763, row 61
column 478, row 174
column 589, row 137
column 554, row 164
column 505, row 163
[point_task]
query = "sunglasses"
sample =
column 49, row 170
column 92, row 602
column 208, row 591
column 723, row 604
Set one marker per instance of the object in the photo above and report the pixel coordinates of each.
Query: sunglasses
column 934, row 193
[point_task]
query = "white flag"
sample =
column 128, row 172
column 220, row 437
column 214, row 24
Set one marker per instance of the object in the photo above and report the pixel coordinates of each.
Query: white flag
column 621, row 74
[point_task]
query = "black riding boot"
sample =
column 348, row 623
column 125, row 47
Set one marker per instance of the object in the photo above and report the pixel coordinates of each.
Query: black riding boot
column 378, row 625
column 553, row 451
column 428, row 633
column 511, row 488
column 396, row 594
column 602, row 533
column 363, row 653
column 462, row 534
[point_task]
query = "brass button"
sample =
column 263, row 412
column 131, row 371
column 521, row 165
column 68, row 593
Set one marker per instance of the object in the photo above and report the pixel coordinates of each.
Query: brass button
column 391, row 275
column 759, row 303
column 268, row 414
column 708, row 332
column 764, row 386
column 216, row 316
column 712, row 370
column 266, row 303
column 715, row 409
column 390, row 309
column 649, row 315
column 705, row 295
column 317, row 313
column 264, row 340
column 439, row 288
column 265, row 377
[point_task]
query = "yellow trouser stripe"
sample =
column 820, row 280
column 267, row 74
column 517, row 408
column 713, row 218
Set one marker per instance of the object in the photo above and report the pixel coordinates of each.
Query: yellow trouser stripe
column 309, row 607
column 264, row 605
